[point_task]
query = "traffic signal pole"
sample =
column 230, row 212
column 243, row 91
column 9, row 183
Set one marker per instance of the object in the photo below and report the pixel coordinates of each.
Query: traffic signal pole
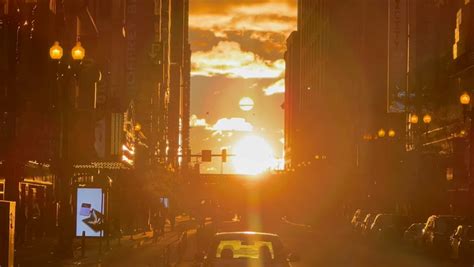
column 206, row 156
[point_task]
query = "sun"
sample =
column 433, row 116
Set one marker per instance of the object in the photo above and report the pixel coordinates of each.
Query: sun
column 253, row 155
column 246, row 104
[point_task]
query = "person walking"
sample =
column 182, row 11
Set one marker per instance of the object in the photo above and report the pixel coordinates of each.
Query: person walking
column 155, row 226
column 161, row 222
column 172, row 218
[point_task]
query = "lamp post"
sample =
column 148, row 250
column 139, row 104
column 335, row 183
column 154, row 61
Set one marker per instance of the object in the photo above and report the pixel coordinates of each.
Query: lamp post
column 468, row 111
column 63, row 161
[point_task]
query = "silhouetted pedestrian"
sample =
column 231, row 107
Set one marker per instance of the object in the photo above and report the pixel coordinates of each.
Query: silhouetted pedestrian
column 172, row 218
column 161, row 223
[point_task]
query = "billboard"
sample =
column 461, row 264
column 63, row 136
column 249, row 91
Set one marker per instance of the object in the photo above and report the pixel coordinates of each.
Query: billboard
column 397, row 55
column 165, row 202
column 90, row 212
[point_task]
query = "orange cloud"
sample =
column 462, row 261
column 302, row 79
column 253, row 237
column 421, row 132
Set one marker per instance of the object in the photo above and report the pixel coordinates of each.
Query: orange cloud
column 276, row 88
column 220, row 6
column 194, row 121
column 263, row 16
column 232, row 124
column 228, row 59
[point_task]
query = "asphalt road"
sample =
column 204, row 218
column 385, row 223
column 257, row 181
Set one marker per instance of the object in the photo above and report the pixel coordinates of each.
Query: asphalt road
column 336, row 246
column 340, row 247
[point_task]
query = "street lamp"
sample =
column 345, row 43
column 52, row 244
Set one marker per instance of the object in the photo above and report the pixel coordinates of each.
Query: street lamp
column 56, row 51
column 381, row 133
column 138, row 127
column 413, row 119
column 465, row 99
column 427, row 119
column 63, row 159
column 391, row 133
column 78, row 52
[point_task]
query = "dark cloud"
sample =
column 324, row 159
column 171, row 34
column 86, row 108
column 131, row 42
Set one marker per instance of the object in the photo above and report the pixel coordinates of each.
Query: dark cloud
column 223, row 6
column 203, row 40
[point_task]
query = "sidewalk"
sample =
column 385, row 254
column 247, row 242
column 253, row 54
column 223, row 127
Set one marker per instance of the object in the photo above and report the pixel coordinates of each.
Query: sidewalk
column 41, row 253
column 190, row 253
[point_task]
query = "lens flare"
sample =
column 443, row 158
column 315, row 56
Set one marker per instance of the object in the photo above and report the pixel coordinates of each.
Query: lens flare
column 253, row 155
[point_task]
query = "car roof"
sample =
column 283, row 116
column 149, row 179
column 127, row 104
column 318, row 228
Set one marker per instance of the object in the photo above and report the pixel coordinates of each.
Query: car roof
column 446, row 216
column 247, row 233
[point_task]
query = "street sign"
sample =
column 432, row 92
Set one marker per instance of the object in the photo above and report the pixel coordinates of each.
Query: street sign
column 224, row 155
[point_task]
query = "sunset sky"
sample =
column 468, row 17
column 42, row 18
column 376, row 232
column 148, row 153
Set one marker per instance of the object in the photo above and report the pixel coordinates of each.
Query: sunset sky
column 238, row 48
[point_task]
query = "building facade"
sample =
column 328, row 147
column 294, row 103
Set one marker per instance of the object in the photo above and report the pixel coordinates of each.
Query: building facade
column 292, row 100
column 440, row 72
column 339, row 100
column 379, row 97
column 118, row 112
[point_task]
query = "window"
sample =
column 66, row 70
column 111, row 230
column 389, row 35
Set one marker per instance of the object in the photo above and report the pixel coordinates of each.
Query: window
column 244, row 249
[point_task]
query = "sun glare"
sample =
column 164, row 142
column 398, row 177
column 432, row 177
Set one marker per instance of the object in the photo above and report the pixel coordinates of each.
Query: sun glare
column 253, row 155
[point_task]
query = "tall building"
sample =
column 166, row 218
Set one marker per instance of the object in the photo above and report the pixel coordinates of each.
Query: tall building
column 113, row 113
column 159, row 60
column 292, row 101
column 441, row 49
column 179, row 84
column 336, row 98
column 330, row 80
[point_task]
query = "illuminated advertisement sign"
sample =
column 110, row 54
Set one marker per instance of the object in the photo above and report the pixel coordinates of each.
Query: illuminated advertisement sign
column 90, row 212
column 165, row 202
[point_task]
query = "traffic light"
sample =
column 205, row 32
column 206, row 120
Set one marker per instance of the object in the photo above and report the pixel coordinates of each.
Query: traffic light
column 224, row 155
column 206, row 155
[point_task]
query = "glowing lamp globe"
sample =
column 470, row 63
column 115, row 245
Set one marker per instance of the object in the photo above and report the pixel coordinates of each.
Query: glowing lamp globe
column 391, row 133
column 138, row 127
column 381, row 133
column 427, row 119
column 56, row 51
column 465, row 99
column 414, row 119
column 78, row 52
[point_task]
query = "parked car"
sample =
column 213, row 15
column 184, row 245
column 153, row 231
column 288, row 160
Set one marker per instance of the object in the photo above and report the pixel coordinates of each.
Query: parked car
column 437, row 231
column 412, row 235
column 462, row 244
column 357, row 218
column 365, row 225
column 246, row 249
column 388, row 226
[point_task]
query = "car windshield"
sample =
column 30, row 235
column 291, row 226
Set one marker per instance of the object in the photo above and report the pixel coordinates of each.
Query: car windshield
column 243, row 249
column 383, row 220
column 414, row 228
column 470, row 233
column 252, row 247
column 445, row 224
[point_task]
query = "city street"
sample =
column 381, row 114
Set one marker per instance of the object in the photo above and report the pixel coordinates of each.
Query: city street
column 248, row 133
column 339, row 247
column 315, row 247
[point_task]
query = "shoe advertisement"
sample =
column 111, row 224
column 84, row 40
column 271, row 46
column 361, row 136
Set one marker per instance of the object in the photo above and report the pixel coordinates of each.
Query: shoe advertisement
column 89, row 212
